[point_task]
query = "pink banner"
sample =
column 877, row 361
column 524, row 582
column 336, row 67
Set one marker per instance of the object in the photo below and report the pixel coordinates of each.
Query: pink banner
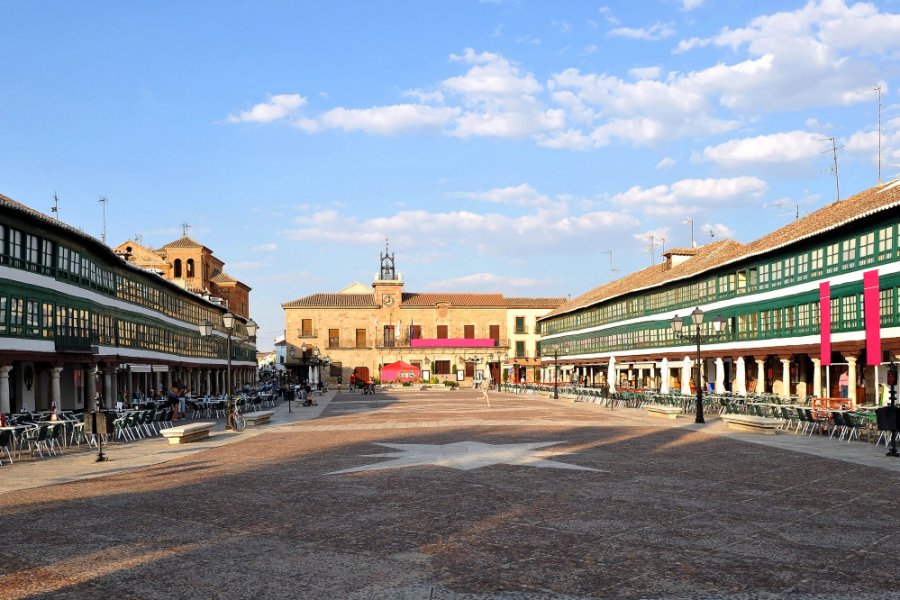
column 873, row 317
column 825, row 322
column 453, row 343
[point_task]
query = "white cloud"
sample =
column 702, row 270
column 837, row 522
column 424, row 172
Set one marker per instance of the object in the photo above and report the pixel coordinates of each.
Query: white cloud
column 384, row 120
column 607, row 14
column 665, row 163
column 691, row 4
column 657, row 31
column 277, row 107
column 645, row 72
column 773, row 149
column 269, row 247
column 485, row 282
column 521, row 195
column 689, row 194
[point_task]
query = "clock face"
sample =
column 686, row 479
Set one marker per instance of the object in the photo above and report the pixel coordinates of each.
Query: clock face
column 387, row 300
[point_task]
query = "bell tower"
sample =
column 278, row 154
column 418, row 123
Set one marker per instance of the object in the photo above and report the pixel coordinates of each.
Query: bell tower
column 388, row 284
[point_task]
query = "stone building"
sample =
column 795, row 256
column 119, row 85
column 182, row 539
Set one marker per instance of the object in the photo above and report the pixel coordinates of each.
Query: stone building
column 452, row 336
column 192, row 266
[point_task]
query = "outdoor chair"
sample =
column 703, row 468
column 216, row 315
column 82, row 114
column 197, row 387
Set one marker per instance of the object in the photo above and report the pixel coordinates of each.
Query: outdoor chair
column 840, row 426
column 5, row 441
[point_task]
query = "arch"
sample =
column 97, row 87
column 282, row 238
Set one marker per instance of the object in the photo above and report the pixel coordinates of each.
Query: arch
column 177, row 266
column 190, row 268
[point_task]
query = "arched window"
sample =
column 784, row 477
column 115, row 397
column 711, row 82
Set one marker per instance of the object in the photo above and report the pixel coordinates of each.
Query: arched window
column 177, row 268
column 190, row 268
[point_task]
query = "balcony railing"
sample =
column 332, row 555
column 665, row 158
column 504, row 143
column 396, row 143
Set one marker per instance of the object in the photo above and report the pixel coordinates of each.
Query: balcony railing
column 75, row 343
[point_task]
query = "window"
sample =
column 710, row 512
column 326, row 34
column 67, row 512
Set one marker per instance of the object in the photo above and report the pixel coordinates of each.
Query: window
column 494, row 333
column 177, row 268
column 885, row 243
column 334, row 338
column 764, row 275
column 832, row 255
column 816, row 261
column 789, row 266
column 415, row 332
column 442, row 367
column 15, row 247
column 2, row 244
column 776, row 272
column 33, row 318
column 866, row 248
column 802, row 265
column 520, row 350
column 849, row 311
column 32, row 250
column 469, row 332
column 360, row 338
column 520, row 325
column 16, row 315
column 848, row 255
column 389, row 336
column 442, row 334
column 886, row 304
column 4, row 313
column 306, row 329
column 190, row 268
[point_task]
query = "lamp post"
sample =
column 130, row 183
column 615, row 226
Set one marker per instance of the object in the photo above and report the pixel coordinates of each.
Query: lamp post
column 556, row 374
column 698, row 338
column 206, row 330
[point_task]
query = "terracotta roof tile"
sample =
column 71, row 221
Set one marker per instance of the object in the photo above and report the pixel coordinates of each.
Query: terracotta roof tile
column 719, row 254
column 185, row 242
column 471, row 300
column 535, row 302
column 333, row 301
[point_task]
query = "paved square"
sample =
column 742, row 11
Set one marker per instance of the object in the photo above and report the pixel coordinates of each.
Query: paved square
column 418, row 495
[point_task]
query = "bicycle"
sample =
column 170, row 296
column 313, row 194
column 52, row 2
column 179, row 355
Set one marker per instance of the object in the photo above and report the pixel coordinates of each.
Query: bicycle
column 236, row 420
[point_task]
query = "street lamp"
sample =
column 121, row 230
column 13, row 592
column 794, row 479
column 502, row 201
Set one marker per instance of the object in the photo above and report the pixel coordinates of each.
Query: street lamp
column 556, row 374
column 206, row 330
column 697, row 337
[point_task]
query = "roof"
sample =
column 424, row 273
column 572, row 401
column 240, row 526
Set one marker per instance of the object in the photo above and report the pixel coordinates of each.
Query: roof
column 333, row 301
column 535, row 302
column 185, row 242
column 412, row 299
column 223, row 277
column 719, row 254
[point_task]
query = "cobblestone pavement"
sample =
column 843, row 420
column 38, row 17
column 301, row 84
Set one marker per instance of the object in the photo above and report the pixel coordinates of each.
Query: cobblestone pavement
column 449, row 495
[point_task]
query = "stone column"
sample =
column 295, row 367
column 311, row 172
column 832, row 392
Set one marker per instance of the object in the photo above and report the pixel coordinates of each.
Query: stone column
column 4, row 389
column 851, row 380
column 664, row 387
column 653, row 376
column 55, row 395
column 817, row 377
column 686, row 376
column 740, row 376
column 109, row 390
column 129, row 386
column 209, row 382
column 720, row 376
column 760, row 375
column 785, row 378
column 91, row 388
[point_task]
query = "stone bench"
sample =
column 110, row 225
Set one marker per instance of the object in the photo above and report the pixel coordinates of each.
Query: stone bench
column 669, row 412
column 260, row 417
column 764, row 425
column 187, row 433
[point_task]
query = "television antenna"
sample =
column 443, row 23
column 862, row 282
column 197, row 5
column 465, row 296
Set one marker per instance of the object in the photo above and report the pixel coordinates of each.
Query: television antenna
column 837, row 179
column 55, row 207
column 878, row 89
column 103, row 201
column 611, row 268
column 651, row 245
column 691, row 221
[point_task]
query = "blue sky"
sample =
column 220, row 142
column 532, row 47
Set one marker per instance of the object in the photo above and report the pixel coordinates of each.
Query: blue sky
column 501, row 146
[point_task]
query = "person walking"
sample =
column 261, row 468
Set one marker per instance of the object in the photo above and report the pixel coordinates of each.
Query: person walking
column 844, row 383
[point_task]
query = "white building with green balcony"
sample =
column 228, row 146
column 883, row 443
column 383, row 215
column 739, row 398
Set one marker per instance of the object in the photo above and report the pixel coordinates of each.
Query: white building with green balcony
column 769, row 293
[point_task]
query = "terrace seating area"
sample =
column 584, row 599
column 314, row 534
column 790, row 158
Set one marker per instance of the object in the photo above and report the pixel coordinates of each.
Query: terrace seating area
column 43, row 435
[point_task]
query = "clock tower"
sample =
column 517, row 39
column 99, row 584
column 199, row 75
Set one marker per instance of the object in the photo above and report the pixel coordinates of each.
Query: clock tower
column 388, row 284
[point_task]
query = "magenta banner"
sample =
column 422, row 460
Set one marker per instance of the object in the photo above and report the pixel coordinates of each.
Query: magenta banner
column 873, row 317
column 825, row 322
column 453, row 343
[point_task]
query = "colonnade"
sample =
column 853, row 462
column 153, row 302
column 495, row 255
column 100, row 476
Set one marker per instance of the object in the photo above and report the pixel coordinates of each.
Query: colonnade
column 742, row 375
column 107, row 384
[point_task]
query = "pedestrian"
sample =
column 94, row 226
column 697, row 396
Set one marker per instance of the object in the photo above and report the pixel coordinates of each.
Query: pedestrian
column 340, row 380
column 844, row 383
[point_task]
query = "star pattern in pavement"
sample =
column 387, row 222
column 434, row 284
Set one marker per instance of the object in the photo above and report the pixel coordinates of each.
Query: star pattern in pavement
column 468, row 455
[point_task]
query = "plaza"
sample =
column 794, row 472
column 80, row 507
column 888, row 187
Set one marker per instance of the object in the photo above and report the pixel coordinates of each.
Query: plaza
column 458, row 495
